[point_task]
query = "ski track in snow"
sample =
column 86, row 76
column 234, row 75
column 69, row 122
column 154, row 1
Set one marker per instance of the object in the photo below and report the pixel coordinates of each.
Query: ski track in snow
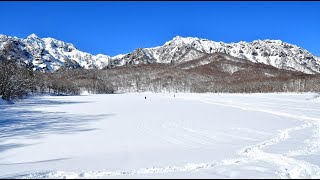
column 288, row 167
column 185, row 137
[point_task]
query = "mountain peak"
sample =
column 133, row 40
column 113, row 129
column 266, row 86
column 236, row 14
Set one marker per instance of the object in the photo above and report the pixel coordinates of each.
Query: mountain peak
column 32, row 36
column 179, row 40
column 3, row 36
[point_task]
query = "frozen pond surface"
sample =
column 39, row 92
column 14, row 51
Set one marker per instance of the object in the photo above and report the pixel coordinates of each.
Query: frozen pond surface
column 162, row 136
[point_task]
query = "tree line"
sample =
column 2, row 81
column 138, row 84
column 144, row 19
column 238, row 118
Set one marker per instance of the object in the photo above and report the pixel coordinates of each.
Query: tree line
column 17, row 81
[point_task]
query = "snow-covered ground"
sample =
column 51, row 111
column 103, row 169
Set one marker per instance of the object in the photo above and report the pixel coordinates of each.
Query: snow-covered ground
column 186, row 136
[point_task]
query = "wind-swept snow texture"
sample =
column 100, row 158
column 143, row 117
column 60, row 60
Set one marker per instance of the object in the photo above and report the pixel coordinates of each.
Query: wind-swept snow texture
column 162, row 136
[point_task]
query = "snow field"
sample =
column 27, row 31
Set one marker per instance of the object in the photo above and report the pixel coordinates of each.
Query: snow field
column 186, row 136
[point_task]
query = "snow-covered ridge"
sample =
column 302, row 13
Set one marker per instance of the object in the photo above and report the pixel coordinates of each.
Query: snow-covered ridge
column 272, row 52
column 51, row 54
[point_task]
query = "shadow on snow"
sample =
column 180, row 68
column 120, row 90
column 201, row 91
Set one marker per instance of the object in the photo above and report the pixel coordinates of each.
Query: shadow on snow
column 18, row 120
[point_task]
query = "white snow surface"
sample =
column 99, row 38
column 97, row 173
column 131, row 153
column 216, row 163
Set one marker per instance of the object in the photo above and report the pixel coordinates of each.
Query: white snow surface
column 186, row 136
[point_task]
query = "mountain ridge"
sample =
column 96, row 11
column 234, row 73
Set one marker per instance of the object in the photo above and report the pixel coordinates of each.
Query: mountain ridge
column 49, row 54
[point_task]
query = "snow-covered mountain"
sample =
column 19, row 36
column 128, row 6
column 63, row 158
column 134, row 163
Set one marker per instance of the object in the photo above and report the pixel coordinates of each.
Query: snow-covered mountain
column 271, row 52
column 51, row 54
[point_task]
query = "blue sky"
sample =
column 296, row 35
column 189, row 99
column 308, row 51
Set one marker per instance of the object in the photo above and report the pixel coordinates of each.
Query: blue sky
column 120, row 27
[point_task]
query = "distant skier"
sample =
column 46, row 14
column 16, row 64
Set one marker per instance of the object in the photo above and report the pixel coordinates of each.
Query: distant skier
column 174, row 95
column 145, row 97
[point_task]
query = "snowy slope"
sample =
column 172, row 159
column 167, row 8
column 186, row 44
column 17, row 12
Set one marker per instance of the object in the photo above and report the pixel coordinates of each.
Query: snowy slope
column 50, row 54
column 126, row 136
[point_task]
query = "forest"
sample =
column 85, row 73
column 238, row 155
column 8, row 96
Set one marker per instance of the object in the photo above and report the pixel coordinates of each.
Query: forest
column 17, row 81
